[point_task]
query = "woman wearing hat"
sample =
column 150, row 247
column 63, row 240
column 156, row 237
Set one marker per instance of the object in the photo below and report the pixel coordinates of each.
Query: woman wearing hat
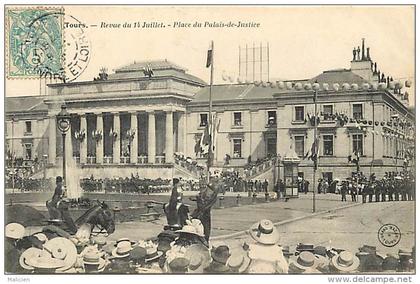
column 265, row 254
column 13, row 233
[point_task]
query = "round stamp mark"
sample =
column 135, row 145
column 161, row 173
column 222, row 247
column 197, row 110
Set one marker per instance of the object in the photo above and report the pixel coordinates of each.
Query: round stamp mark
column 50, row 53
column 389, row 235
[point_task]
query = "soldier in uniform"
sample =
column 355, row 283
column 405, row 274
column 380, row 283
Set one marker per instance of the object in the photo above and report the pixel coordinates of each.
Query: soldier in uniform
column 52, row 204
column 176, row 212
column 377, row 190
column 205, row 201
column 370, row 190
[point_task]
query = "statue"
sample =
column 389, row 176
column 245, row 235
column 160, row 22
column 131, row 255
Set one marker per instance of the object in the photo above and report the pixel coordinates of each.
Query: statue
column 375, row 68
column 354, row 54
column 358, row 53
column 368, row 53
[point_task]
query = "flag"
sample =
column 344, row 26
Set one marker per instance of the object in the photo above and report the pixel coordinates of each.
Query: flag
column 209, row 56
column 205, row 141
column 214, row 131
column 315, row 150
column 306, row 155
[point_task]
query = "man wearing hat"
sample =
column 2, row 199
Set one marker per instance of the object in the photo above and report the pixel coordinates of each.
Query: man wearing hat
column 176, row 212
column 205, row 201
column 58, row 195
column 220, row 256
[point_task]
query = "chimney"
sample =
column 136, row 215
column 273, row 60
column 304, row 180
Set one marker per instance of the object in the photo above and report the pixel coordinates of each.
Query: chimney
column 362, row 66
column 363, row 49
column 368, row 53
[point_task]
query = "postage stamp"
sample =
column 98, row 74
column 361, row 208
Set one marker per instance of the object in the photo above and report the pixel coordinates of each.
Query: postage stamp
column 34, row 42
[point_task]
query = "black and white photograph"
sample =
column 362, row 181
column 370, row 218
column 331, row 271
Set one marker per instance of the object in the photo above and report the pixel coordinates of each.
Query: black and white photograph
column 210, row 139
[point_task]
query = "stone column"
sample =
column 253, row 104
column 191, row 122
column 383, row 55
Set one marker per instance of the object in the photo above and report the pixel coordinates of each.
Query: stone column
column 169, row 138
column 116, row 141
column 151, row 138
column 135, row 141
column 52, row 127
column 182, row 133
column 100, row 142
column 83, row 144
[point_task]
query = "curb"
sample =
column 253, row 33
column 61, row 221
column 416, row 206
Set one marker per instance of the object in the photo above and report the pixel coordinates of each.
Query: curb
column 237, row 234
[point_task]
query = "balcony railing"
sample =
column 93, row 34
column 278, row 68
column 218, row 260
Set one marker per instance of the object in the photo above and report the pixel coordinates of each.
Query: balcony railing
column 142, row 159
column 91, row 160
column 125, row 160
column 160, row 159
column 108, row 160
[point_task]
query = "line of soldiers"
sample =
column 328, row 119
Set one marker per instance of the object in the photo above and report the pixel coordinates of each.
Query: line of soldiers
column 393, row 187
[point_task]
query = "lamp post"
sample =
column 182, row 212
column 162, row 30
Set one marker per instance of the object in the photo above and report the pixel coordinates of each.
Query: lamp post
column 315, row 88
column 395, row 118
column 63, row 124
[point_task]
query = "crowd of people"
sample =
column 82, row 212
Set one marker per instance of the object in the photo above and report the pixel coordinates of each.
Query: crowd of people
column 392, row 187
column 133, row 184
column 185, row 251
column 184, row 246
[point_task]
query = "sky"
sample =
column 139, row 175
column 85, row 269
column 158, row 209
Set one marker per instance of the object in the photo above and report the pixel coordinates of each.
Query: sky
column 304, row 40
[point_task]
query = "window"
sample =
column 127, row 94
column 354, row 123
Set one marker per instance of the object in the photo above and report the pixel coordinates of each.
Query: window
column 203, row 119
column 328, row 145
column 28, row 125
column 357, row 111
column 237, row 118
column 272, row 117
column 237, row 148
column 300, row 146
column 299, row 113
column 358, row 143
column 271, row 147
column 328, row 111
column 28, row 151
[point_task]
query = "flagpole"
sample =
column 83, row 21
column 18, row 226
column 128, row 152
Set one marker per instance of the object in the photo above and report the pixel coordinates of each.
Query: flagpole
column 209, row 120
column 316, row 149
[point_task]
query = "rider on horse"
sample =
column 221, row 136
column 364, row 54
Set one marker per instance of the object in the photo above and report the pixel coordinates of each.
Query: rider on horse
column 175, row 210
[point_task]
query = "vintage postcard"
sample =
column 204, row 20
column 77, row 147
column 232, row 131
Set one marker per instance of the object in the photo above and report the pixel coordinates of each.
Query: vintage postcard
column 210, row 140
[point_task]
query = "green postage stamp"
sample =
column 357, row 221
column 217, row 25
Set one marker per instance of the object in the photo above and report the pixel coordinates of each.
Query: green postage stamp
column 34, row 42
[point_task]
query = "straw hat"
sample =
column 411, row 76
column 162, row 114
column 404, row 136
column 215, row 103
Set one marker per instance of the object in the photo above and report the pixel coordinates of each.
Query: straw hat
column 125, row 240
column 238, row 262
column 14, row 231
column 264, row 232
column 193, row 227
column 306, row 260
column 30, row 253
column 41, row 236
column 152, row 253
column 45, row 262
column 62, row 249
column 122, row 250
column 93, row 261
column 345, row 262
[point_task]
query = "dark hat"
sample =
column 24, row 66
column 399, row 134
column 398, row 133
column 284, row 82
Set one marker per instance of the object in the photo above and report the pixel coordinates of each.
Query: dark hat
column 138, row 254
column 390, row 263
column 320, row 250
column 369, row 262
column 58, row 179
column 179, row 265
column 220, row 254
column 175, row 181
column 368, row 249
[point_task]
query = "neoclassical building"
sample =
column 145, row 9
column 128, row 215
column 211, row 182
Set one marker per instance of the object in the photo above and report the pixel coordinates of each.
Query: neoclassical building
column 133, row 122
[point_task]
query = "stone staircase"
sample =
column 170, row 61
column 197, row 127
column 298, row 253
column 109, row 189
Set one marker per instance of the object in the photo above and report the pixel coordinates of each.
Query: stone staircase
column 257, row 171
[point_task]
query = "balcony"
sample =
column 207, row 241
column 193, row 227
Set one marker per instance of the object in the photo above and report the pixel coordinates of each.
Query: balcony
column 91, row 160
column 142, row 159
column 108, row 160
column 160, row 159
column 125, row 160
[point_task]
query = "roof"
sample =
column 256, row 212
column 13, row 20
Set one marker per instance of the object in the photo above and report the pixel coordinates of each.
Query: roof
column 153, row 64
column 25, row 103
column 338, row 76
column 161, row 68
column 234, row 92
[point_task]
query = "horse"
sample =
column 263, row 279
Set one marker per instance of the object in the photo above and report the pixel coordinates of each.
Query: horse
column 99, row 216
